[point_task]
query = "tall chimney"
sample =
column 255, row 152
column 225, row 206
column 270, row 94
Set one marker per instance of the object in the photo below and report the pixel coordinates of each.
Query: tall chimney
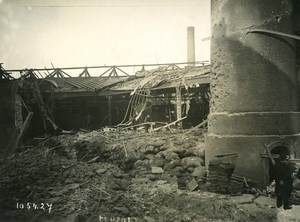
column 190, row 46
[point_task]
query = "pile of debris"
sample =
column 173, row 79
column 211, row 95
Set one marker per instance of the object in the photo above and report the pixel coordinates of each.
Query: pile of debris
column 110, row 174
column 75, row 173
column 219, row 176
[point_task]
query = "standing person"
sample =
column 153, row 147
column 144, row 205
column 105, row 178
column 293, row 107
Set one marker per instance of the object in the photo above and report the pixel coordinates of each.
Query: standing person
column 283, row 180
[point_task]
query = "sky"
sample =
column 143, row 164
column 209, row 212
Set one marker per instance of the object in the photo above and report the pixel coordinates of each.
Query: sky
column 66, row 33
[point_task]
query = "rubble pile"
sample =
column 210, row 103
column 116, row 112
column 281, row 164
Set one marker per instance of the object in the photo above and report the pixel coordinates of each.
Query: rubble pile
column 69, row 185
column 171, row 157
column 89, row 173
column 121, row 174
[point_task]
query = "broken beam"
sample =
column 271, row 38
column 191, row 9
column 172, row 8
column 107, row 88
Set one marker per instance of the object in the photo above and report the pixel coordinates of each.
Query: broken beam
column 16, row 138
column 170, row 124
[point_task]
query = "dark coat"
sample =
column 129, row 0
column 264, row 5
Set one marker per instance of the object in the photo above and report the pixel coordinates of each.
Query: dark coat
column 283, row 177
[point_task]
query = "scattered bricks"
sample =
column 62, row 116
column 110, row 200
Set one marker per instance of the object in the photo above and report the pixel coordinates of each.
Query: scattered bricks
column 219, row 175
column 192, row 162
column 223, row 178
column 157, row 170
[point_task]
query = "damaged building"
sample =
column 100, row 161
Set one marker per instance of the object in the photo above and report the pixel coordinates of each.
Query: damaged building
column 252, row 105
column 117, row 143
column 168, row 94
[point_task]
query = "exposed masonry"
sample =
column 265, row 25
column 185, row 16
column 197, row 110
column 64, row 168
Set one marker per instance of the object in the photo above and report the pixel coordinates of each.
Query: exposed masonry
column 254, row 90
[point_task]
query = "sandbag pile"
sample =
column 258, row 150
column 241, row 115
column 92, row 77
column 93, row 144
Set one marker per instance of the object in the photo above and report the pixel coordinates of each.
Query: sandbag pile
column 172, row 160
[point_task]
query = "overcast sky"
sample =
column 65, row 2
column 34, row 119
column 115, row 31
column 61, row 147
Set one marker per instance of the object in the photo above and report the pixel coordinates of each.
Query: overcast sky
column 35, row 33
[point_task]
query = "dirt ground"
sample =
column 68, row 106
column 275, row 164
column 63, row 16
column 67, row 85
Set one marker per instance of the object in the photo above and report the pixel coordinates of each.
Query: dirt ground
column 119, row 176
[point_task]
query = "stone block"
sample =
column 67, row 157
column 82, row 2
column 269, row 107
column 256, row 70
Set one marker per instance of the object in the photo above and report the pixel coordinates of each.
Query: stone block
column 157, row 170
column 192, row 185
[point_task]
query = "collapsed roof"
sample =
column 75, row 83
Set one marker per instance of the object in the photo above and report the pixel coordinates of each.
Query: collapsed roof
column 160, row 78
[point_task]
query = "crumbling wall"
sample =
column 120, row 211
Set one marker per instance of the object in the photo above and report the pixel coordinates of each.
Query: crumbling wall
column 253, row 82
column 7, row 112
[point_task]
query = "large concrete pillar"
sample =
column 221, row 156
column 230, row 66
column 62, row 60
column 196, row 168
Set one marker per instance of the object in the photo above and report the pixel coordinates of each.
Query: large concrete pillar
column 191, row 46
column 253, row 83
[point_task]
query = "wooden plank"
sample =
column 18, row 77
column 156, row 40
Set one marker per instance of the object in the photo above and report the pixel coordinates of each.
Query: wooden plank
column 109, row 122
column 265, row 155
column 226, row 154
column 18, row 134
column 178, row 104
column 170, row 124
column 198, row 126
column 42, row 107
